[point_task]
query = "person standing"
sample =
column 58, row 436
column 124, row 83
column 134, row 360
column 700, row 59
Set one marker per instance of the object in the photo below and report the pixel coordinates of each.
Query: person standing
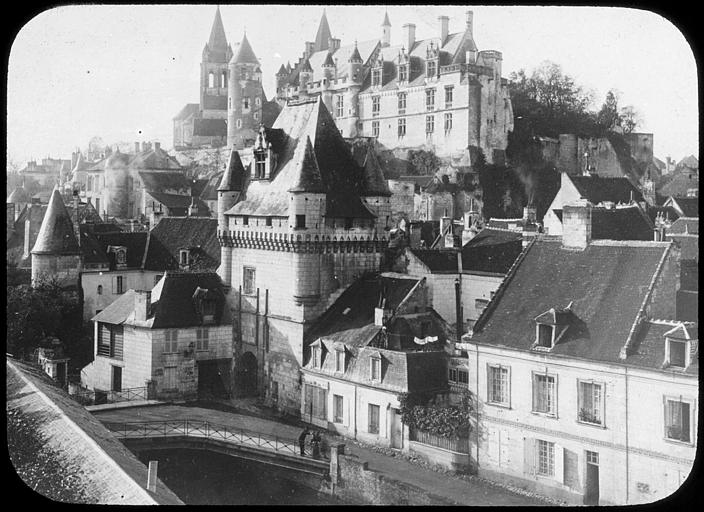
column 316, row 445
column 302, row 441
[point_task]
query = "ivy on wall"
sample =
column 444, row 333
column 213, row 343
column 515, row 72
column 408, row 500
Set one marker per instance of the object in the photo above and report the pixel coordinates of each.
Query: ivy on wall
column 417, row 411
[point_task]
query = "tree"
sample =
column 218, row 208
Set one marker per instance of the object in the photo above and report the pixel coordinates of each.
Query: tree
column 423, row 163
column 608, row 117
column 629, row 118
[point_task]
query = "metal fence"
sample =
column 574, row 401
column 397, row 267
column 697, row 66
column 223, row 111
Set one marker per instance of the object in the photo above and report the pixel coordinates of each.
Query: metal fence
column 455, row 444
column 91, row 397
column 203, row 429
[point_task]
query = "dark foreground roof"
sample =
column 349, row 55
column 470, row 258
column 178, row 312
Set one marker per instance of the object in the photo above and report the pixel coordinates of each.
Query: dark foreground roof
column 597, row 189
column 171, row 234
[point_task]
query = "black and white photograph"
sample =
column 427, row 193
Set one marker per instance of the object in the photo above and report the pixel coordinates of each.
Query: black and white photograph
column 287, row 254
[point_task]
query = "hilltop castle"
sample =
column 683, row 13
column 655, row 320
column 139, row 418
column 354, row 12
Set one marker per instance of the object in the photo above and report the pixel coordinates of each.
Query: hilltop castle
column 438, row 93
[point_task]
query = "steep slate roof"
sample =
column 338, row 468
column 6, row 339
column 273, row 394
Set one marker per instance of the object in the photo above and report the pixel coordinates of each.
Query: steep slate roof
column 606, row 284
column 491, row 251
column 419, row 182
column 154, row 159
column 234, row 176
column 597, row 189
column 437, row 260
column 323, row 36
column 135, row 243
column 650, row 351
column 182, row 202
column 619, row 223
column 688, row 205
column 56, row 235
column 244, row 53
column 157, row 181
column 689, row 161
column 340, row 175
column 187, row 111
column 350, row 319
column 118, row 311
column 199, row 234
column 217, row 39
column 175, row 307
column 684, row 225
column 19, row 195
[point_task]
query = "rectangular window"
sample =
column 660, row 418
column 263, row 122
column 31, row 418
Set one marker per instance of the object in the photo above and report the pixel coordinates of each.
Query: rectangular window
column 546, row 458
column 202, row 336
column 259, row 164
column 375, row 128
column 118, row 285
column 315, row 356
column 376, row 77
column 373, row 419
column 170, row 380
column 430, row 99
column 592, row 457
column 448, row 97
column 340, row 361
column 375, row 366
column 340, row 106
column 432, row 68
column 545, row 335
column 274, row 391
column 170, row 342
column 401, row 128
column 452, row 375
column 498, row 386
column 677, row 420
column 245, row 220
column 448, row 122
column 678, row 354
column 337, row 408
column 375, row 106
column 429, row 124
column 402, row 73
column 184, row 256
column 590, row 402
column 402, row 103
column 269, row 221
column 248, row 280
column 544, row 394
column 245, row 103
column 300, row 221
column 315, row 402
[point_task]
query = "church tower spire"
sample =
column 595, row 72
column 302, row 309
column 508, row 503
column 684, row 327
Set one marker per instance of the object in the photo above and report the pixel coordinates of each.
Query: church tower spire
column 218, row 40
column 322, row 38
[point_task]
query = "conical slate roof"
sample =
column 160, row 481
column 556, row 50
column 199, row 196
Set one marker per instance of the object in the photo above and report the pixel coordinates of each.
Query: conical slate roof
column 328, row 61
column 218, row 40
column 306, row 66
column 309, row 179
column 386, row 22
column 56, row 235
column 245, row 54
column 281, row 71
column 323, row 36
column 355, row 57
column 374, row 181
column 233, row 177
column 18, row 196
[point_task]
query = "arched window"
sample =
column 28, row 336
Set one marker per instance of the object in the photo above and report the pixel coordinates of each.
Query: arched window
column 239, row 123
column 100, row 289
column 211, row 79
column 257, row 101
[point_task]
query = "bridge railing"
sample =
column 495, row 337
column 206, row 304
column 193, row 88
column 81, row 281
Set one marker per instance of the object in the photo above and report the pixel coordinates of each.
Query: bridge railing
column 90, row 397
column 206, row 429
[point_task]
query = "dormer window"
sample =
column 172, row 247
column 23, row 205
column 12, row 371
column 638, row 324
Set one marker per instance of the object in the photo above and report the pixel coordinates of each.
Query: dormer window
column 120, row 254
column 259, row 164
column 184, row 258
column 678, row 353
column 432, row 69
column 552, row 326
column 340, row 360
column 208, row 311
column 681, row 345
column 375, row 368
column 403, row 73
column 316, row 355
column 544, row 335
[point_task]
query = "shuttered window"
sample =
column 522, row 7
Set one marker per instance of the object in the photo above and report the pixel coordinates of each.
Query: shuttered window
column 544, row 394
column 373, row 419
column 315, row 402
column 677, row 420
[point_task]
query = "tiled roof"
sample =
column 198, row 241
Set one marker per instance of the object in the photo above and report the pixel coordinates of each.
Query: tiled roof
column 350, row 319
column 667, row 212
column 180, row 202
column 684, row 225
column 341, row 177
column 606, row 284
column 437, row 260
column 677, row 183
column 158, row 181
column 175, row 306
column 198, row 186
column 270, row 111
column 153, row 159
column 118, row 311
column 689, row 161
column 597, row 189
column 419, row 182
column 56, row 235
column 688, row 205
column 187, row 111
column 491, row 251
column 619, row 223
column 135, row 243
column 199, row 234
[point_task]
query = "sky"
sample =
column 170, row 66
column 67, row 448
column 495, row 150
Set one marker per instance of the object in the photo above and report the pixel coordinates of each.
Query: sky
column 123, row 72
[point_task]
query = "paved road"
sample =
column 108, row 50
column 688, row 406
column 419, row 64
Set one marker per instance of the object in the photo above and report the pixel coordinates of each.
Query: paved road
column 469, row 492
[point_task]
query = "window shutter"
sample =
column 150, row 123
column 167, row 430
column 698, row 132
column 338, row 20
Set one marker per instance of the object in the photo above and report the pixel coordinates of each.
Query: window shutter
column 559, row 463
column 529, row 456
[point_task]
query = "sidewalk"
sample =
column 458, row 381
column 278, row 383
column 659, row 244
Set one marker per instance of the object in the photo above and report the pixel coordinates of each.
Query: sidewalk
column 463, row 490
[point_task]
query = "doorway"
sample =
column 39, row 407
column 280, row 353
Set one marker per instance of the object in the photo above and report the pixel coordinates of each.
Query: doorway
column 116, row 378
column 61, row 374
column 396, row 428
column 248, row 374
column 591, row 485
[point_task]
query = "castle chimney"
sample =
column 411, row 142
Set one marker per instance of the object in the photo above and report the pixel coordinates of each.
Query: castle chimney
column 577, row 225
column 144, row 146
column 193, row 209
column 142, row 304
column 157, row 145
column 529, row 214
column 409, row 36
column 309, row 49
column 444, row 28
column 470, row 23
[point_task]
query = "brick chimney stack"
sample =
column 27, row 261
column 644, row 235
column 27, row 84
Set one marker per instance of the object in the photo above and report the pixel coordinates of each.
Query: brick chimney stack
column 409, row 36
column 444, row 28
column 577, row 225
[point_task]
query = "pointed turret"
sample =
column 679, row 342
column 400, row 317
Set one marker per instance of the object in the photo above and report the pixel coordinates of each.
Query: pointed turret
column 322, row 38
column 374, row 181
column 355, row 57
column 233, row 178
column 308, row 179
column 218, row 40
column 386, row 22
column 281, row 71
column 329, row 62
column 386, row 31
column 245, row 54
column 56, row 235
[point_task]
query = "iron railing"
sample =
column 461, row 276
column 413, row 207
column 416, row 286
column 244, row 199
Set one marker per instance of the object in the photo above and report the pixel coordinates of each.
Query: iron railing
column 90, row 396
column 455, row 444
column 203, row 429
